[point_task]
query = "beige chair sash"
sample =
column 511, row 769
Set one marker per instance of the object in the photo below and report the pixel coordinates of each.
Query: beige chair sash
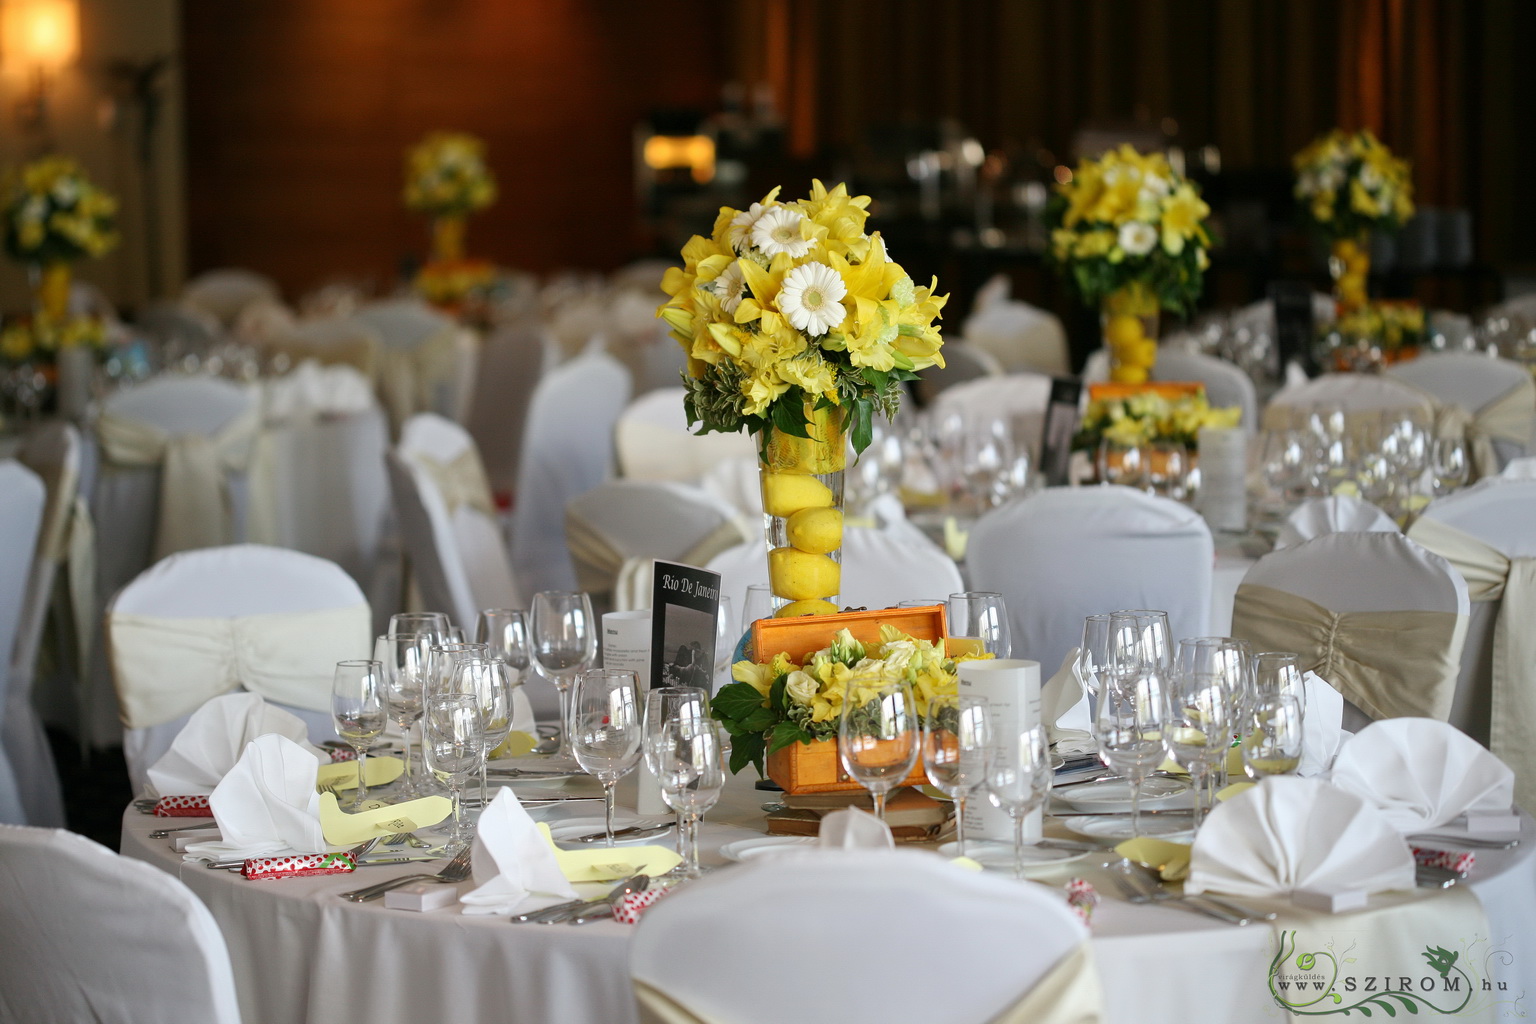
column 408, row 377
column 1389, row 664
column 460, row 482
column 164, row 668
column 194, row 502
column 1493, row 576
column 598, row 562
column 1068, row 994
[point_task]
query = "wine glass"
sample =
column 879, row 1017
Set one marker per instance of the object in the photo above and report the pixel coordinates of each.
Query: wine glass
column 982, row 616
column 404, row 660
column 1449, row 464
column 564, row 644
column 1139, row 636
column 1276, row 673
column 490, row 682
column 357, row 705
column 504, row 631
column 1128, row 727
column 1200, row 725
column 725, row 641
column 443, row 662
column 1273, row 743
column 606, row 731
column 665, row 705
column 1018, row 778
column 878, row 737
column 1093, row 654
column 1168, row 469
column 758, row 604
column 690, row 759
column 433, row 623
column 1121, row 463
column 956, row 736
column 453, row 746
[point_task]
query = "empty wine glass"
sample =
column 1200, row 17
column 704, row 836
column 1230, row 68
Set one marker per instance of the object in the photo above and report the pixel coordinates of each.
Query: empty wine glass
column 758, row 604
column 1093, row 654
column 691, row 768
column 1199, row 728
column 606, row 731
column 1139, row 637
column 1168, row 469
column 1128, row 727
column 564, row 644
column 404, row 659
column 956, row 737
column 981, row 616
column 504, row 631
column 1273, row 743
column 490, row 682
column 1121, row 463
column 878, row 737
column 664, row 705
column 357, row 705
column 1018, row 778
column 1449, row 464
column 453, row 747
column 1276, row 673
column 435, row 624
column 725, row 642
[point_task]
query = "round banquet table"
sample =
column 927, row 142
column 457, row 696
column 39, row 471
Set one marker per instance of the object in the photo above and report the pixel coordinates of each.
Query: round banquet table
column 302, row 954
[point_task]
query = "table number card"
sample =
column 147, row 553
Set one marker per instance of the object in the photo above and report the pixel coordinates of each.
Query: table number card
column 684, row 603
column 1011, row 687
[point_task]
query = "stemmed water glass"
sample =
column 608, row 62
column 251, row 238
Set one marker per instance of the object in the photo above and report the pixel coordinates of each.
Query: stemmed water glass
column 1277, row 673
column 1274, row 740
column 434, row 624
column 1200, row 725
column 758, row 604
column 879, row 737
column 1139, row 638
column 1018, row 778
column 956, row 737
column 564, row 644
column 357, row 705
column 504, row 631
column 691, row 768
column 490, row 682
column 453, row 746
column 606, row 730
column 404, row 660
column 1128, row 726
column 982, row 616
column 1448, row 464
column 1230, row 661
column 665, row 705
column 725, row 642
column 1093, row 653
column 1121, row 463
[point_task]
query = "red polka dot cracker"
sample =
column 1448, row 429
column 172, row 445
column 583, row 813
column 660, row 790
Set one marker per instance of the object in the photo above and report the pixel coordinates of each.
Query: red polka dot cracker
column 1082, row 897
column 632, row 906
column 298, row 865
column 1459, row 861
column 339, row 754
column 183, row 807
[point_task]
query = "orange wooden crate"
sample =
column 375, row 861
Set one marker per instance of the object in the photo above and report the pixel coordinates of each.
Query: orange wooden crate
column 815, row 767
column 1172, row 390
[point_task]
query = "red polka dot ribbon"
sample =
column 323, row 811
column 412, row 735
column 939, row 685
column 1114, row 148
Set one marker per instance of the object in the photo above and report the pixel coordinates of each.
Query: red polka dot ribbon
column 1459, row 861
column 1082, row 897
column 299, row 865
column 183, row 807
column 633, row 906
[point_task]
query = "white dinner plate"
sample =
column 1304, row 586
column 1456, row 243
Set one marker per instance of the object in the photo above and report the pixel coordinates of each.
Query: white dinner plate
column 1160, row 792
column 567, row 830
column 1173, row 827
column 767, row 846
column 999, row 855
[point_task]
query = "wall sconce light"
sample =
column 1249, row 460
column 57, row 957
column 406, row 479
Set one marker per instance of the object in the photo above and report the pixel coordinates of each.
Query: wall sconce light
column 38, row 38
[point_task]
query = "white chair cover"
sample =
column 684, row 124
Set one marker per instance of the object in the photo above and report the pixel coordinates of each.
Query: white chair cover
column 691, row 959
column 22, row 498
column 448, row 522
column 963, row 363
column 1067, row 553
column 329, row 341
column 737, row 482
column 1374, row 614
column 53, row 453
column 98, row 937
column 1018, row 399
column 225, row 293
column 1334, row 513
column 1520, row 469
column 512, row 362
column 652, row 441
column 208, row 622
column 1019, row 336
column 262, row 320
column 428, row 361
column 1361, row 396
column 1225, row 383
column 1488, row 533
column 567, row 451
column 1498, row 394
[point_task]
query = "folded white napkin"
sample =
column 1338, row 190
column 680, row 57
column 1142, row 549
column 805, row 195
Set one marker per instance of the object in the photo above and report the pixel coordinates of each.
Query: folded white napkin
column 1287, row 834
column 312, row 389
column 1423, row 773
column 1322, row 725
column 215, row 737
column 512, row 861
column 854, row 829
column 522, row 713
column 1064, row 708
column 267, row 804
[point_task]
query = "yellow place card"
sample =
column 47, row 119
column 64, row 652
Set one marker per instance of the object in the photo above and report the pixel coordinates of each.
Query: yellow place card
column 956, row 540
column 343, row 774
column 343, row 829
column 610, row 865
column 517, row 744
column 963, row 646
column 1170, row 860
column 967, row 863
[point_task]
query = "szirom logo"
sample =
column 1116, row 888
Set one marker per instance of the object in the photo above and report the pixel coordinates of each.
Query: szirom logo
column 1313, row 984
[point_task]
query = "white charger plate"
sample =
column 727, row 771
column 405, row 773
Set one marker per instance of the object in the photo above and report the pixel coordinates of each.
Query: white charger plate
column 566, row 830
column 1176, row 828
column 767, row 846
column 1160, row 792
column 999, row 855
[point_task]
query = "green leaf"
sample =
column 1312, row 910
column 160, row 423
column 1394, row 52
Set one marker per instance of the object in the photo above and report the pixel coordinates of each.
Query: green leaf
column 736, row 702
column 863, row 424
column 877, row 378
column 789, row 417
column 786, row 734
column 776, row 698
column 760, row 720
column 747, row 750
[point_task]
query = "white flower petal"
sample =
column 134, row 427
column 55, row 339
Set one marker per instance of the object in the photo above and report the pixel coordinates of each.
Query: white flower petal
column 778, row 231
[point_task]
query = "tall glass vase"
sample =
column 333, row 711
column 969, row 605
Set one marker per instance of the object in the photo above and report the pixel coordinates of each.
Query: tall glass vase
column 1349, row 263
column 802, row 484
column 50, row 286
column 448, row 238
column 1129, row 320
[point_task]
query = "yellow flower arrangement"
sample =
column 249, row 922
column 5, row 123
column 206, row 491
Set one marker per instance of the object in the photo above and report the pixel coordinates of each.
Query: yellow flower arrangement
column 54, row 214
column 1147, row 416
column 789, row 306
column 446, row 175
column 1348, row 183
column 773, row 705
column 1129, row 218
column 1392, row 325
column 40, row 338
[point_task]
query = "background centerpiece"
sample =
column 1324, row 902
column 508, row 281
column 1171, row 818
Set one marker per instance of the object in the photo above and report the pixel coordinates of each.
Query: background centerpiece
column 446, row 177
column 800, row 328
column 1128, row 233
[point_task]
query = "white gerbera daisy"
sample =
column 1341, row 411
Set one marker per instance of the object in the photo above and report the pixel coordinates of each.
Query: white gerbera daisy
column 739, row 233
column 728, row 288
column 1137, row 238
column 812, row 298
column 778, row 231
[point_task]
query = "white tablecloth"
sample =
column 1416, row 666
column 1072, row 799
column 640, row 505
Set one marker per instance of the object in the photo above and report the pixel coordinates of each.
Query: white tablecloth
column 301, row 954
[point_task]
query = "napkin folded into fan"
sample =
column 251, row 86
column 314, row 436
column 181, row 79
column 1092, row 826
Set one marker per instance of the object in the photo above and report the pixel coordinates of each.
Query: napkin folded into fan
column 1322, row 725
column 512, row 861
column 1291, row 834
column 1064, row 708
column 267, row 804
column 1423, row 773
column 215, row 737
column 853, row 829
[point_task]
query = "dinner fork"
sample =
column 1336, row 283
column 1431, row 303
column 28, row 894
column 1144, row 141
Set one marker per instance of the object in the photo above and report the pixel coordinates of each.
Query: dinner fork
column 1134, row 888
column 456, row 871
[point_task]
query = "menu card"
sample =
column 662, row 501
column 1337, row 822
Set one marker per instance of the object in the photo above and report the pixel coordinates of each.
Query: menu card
column 1011, row 687
column 684, row 603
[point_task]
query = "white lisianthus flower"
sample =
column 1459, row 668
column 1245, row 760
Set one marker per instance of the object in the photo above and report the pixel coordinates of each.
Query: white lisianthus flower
column 1154, row 186
column 739, row 233
column 34, row 209
column 812, row 298
column 800, row 687
column 66, row 190
column 728, row 288
column 1137, row 238
column 898, row 653
column 778, row 231
column 1370, row 177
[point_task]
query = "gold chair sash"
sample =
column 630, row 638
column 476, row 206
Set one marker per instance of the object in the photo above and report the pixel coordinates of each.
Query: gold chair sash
column 1493, row 576
column 1510, row 418
column 409, row 377
column 194, row 501
column 164, row 668
column 1068, row 994
column 1389, row 664
column 460, row 482
column 598, row 562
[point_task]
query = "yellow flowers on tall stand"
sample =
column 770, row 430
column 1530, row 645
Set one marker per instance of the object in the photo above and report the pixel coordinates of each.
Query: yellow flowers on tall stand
column 447, row 178
column 1129, row 318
